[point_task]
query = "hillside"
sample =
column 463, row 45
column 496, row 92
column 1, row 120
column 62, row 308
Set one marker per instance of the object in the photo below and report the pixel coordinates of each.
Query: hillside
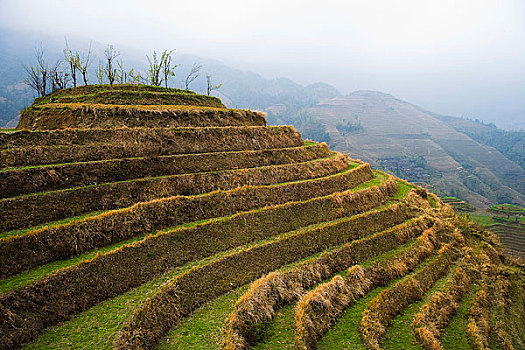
column 139, row 217
column 421, row 147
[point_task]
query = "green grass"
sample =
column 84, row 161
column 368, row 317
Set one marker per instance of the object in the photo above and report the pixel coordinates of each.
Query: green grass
column 279, row 332
column 309, row 143
column 11, row 283
column 488, row 220
column 203, row 330
column 96, row 327
column 400, row 334
column 455, row 335
column 508, row 208
column 7, row 130
column 81, row 217
column 345, row 333
column 402, row 189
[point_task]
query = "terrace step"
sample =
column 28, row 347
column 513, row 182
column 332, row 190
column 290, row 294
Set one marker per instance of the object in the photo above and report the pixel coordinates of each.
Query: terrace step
column 39, row 246
column 15, row 182
column 165, row 309
column 24, row 148
column 34, row 209
column 83, row 116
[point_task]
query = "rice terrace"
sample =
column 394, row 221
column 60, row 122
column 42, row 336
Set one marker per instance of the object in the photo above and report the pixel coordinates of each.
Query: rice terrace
column 141, row 217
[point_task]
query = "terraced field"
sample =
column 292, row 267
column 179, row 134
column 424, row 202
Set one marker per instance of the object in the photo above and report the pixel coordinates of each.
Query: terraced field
column 168, row 221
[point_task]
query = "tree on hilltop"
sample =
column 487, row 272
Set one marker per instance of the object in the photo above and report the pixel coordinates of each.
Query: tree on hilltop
column 59, row 76
column 37, row 76
column 166, row 66
column 84, row 62
column 72, row 59
column 194, row 74
column 161, row 68
column 209, row 85
column 110, row 71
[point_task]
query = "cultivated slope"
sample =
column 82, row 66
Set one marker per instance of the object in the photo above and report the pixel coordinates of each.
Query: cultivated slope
column 136, row 225
column 457, row 164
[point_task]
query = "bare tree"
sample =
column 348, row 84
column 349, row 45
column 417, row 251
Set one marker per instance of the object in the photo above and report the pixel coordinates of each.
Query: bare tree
column 166, row 66
column 37, row 76
column 154, row 71
column 100, row 72
column 194, row 74
column 59, row 76
column 109, row 70
column 84, row 62
column 209, row 85
column 122, row 75
column 73, row 59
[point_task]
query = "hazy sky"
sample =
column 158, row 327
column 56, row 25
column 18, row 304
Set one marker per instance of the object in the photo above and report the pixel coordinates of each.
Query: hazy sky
column 457, row 57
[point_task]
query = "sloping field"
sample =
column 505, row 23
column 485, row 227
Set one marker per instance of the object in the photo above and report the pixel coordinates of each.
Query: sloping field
column 230, row 237
column 456, row 164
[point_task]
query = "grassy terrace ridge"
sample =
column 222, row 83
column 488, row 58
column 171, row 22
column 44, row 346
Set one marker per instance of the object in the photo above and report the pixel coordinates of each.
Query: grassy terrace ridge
column 90, row 92
column 400, row 333
column 21, row 181
column 203, row 330
column 38, row 208
column 27, row 138
column 55, row 242
column 104, row 106
column 78, row 218
column 164, row 310
column 345, row 333
column 25, row 278
column 24, row 148
column 83, row 115
column 261, row 246
column 331, row 156
column 305, row 144
column 92, row 88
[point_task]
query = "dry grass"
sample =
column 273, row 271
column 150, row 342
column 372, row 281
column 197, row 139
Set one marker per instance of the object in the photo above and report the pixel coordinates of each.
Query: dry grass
column 48, row 178
column 433, row 317
column 35, row 209
column 390, row 302
column 78, row 115
column 165, row 309
column 319, row 309
column 25, row 148
column 272, row 292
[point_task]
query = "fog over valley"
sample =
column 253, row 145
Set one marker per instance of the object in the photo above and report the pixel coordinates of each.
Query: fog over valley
column 454, row 58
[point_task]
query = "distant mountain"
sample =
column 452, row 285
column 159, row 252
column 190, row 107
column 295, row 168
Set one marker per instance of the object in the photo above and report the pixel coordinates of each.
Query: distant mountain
column 510, row 143
column 421, row 146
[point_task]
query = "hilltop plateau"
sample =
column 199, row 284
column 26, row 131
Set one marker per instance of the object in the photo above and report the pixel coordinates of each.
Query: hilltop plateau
column 136, row 217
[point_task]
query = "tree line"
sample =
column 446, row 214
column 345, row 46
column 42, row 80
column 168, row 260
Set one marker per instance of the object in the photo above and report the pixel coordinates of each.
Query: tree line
column 72, row 70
